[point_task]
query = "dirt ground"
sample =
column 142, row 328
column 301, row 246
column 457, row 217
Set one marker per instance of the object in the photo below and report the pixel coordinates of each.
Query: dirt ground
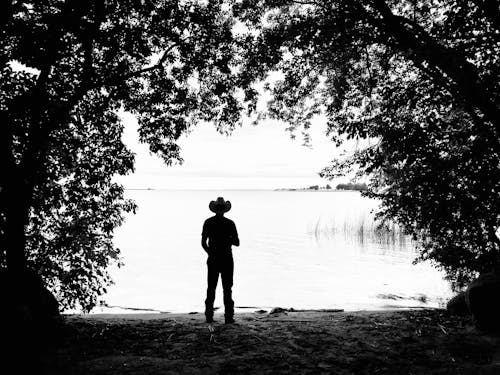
column 290, row 342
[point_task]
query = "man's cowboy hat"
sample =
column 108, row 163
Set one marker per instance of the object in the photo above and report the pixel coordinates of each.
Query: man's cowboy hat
column 220, row 205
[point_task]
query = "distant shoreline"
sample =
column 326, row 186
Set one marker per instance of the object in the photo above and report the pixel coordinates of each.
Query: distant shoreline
column 270, row 189
column 319, row 190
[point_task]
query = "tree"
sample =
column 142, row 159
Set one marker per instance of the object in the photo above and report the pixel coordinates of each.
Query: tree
column 352, row 186
column 419, row 80
column 68, row 67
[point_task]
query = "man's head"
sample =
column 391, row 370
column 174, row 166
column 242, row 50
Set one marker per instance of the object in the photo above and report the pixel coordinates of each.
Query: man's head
column 219, row 206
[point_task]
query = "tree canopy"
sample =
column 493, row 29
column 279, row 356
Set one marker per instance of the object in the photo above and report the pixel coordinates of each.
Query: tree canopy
column 68, row 68
column 420, row 81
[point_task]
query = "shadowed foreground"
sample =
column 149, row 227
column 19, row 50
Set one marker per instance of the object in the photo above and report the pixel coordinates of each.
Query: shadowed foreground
column 404, row 342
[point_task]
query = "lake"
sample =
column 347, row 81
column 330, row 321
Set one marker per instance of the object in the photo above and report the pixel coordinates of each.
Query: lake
column 299, row 249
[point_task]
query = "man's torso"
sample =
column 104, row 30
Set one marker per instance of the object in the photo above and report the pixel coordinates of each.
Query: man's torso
column 220, row 231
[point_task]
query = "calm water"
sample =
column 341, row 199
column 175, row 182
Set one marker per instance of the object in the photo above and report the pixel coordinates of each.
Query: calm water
column 298, row 249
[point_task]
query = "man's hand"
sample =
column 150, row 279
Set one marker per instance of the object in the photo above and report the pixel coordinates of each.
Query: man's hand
column 234, row 240
column 204, row 244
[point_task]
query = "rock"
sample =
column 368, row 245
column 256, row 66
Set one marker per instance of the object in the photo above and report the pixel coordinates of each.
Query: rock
column 40, row 300
column 278, row 310
column 483, row 300
column 28, row 303
column 389, row 296
column 48, row 303
column 29, row 320
column 457, row 305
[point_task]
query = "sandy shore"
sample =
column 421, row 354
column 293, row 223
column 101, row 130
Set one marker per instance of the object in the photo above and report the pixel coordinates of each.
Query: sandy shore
column 308, row 342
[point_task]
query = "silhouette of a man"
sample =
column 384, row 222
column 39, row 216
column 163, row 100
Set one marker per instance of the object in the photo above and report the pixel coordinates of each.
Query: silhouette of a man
column 219, row 234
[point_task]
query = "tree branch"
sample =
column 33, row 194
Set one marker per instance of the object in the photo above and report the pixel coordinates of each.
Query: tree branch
column 419, row 46
column 315, row 3
column 112, row 81
column 5, row 14
column 40, row 126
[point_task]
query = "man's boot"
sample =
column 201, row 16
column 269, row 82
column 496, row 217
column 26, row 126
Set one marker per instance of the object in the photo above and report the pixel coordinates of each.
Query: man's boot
column 209, row 313
column 228, row 309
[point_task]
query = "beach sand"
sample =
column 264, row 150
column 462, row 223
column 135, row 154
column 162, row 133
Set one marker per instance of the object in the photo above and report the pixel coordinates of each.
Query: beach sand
column 290, row 342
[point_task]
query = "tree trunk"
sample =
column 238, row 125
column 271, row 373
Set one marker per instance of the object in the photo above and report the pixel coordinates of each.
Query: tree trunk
column 496, row 242
column 17, row 204
column 14, row 208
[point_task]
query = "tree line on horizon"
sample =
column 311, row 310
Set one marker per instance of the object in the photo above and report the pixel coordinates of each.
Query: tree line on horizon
column 352, row 186
column 342, row 186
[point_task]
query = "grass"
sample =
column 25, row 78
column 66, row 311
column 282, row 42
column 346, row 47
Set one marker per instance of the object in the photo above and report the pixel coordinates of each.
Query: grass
column 363, row 230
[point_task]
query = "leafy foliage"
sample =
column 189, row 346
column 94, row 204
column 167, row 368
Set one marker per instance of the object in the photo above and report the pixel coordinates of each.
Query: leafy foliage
column 68, row 68
column 419, row 80
column 78, row 206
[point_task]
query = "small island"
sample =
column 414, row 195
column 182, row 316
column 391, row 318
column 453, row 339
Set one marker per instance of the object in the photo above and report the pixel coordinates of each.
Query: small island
column 343, row 187
column 352, row 186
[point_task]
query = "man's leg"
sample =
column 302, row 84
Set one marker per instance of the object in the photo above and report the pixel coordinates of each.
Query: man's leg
column 227, row 271
column 212, row 279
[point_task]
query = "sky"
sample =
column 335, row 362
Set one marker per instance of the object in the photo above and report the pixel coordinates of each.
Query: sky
column 253, row 157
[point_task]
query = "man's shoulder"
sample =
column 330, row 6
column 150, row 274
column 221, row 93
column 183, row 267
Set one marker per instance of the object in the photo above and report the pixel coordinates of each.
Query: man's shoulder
column 218, row 220
column 210, row 219
column 228, row 220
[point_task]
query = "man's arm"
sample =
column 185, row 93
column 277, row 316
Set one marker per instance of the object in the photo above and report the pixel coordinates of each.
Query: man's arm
column 204, row 243
column 204, row 238
column 234, row 237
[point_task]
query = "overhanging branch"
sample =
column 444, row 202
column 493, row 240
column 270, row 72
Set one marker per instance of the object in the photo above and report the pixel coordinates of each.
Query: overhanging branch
column 412, row 39
column 122, row 78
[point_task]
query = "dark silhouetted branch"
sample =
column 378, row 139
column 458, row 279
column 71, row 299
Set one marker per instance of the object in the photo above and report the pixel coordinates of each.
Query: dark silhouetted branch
column 413, row 40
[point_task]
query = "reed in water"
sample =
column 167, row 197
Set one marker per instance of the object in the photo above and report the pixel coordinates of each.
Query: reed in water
column 362, row 229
